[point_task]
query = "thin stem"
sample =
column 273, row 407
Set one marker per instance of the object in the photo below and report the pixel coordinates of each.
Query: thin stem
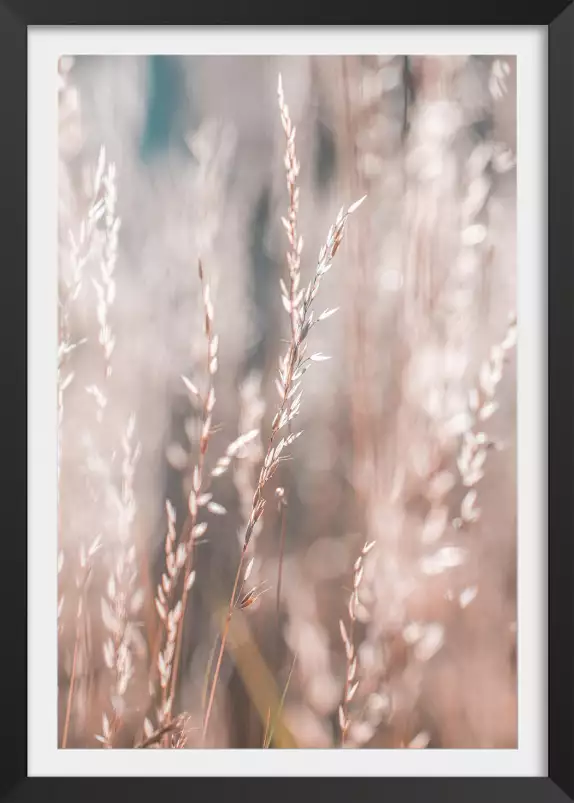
column 270, row 728
column 224, row 636
column 281, row 553
column 71, row 690
column 267, row 721
column 187, row 532
column 208, row 673
column 165, row 730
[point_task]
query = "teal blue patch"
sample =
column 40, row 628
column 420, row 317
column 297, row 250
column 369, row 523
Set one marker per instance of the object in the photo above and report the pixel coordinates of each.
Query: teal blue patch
column 165, row 96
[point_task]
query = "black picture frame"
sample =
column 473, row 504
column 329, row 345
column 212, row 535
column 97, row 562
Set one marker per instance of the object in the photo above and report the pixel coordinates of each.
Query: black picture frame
column 558, row 15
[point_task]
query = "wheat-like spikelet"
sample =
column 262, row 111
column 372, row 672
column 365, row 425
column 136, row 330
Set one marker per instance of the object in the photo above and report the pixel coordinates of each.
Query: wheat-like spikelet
column 482, row 405
column 437, row 324
column 427, row 638
column 456, row 312
column 106, row 286
column 171, row 610
column 288, row 293
column 499, row 72
column 199, row 221
column 82, row 579
column 123, row 599
column 292, row 367
column 347, row 636
column 292, row 168
column 252, row 410
column 81, row 249
column 69, row 290
column 175, row 558
column 197, row 499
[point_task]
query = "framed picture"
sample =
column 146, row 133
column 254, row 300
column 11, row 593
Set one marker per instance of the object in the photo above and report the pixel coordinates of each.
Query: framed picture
column 288, row 373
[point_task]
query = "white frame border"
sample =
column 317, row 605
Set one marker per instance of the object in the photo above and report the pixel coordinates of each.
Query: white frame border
column 44, row 47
